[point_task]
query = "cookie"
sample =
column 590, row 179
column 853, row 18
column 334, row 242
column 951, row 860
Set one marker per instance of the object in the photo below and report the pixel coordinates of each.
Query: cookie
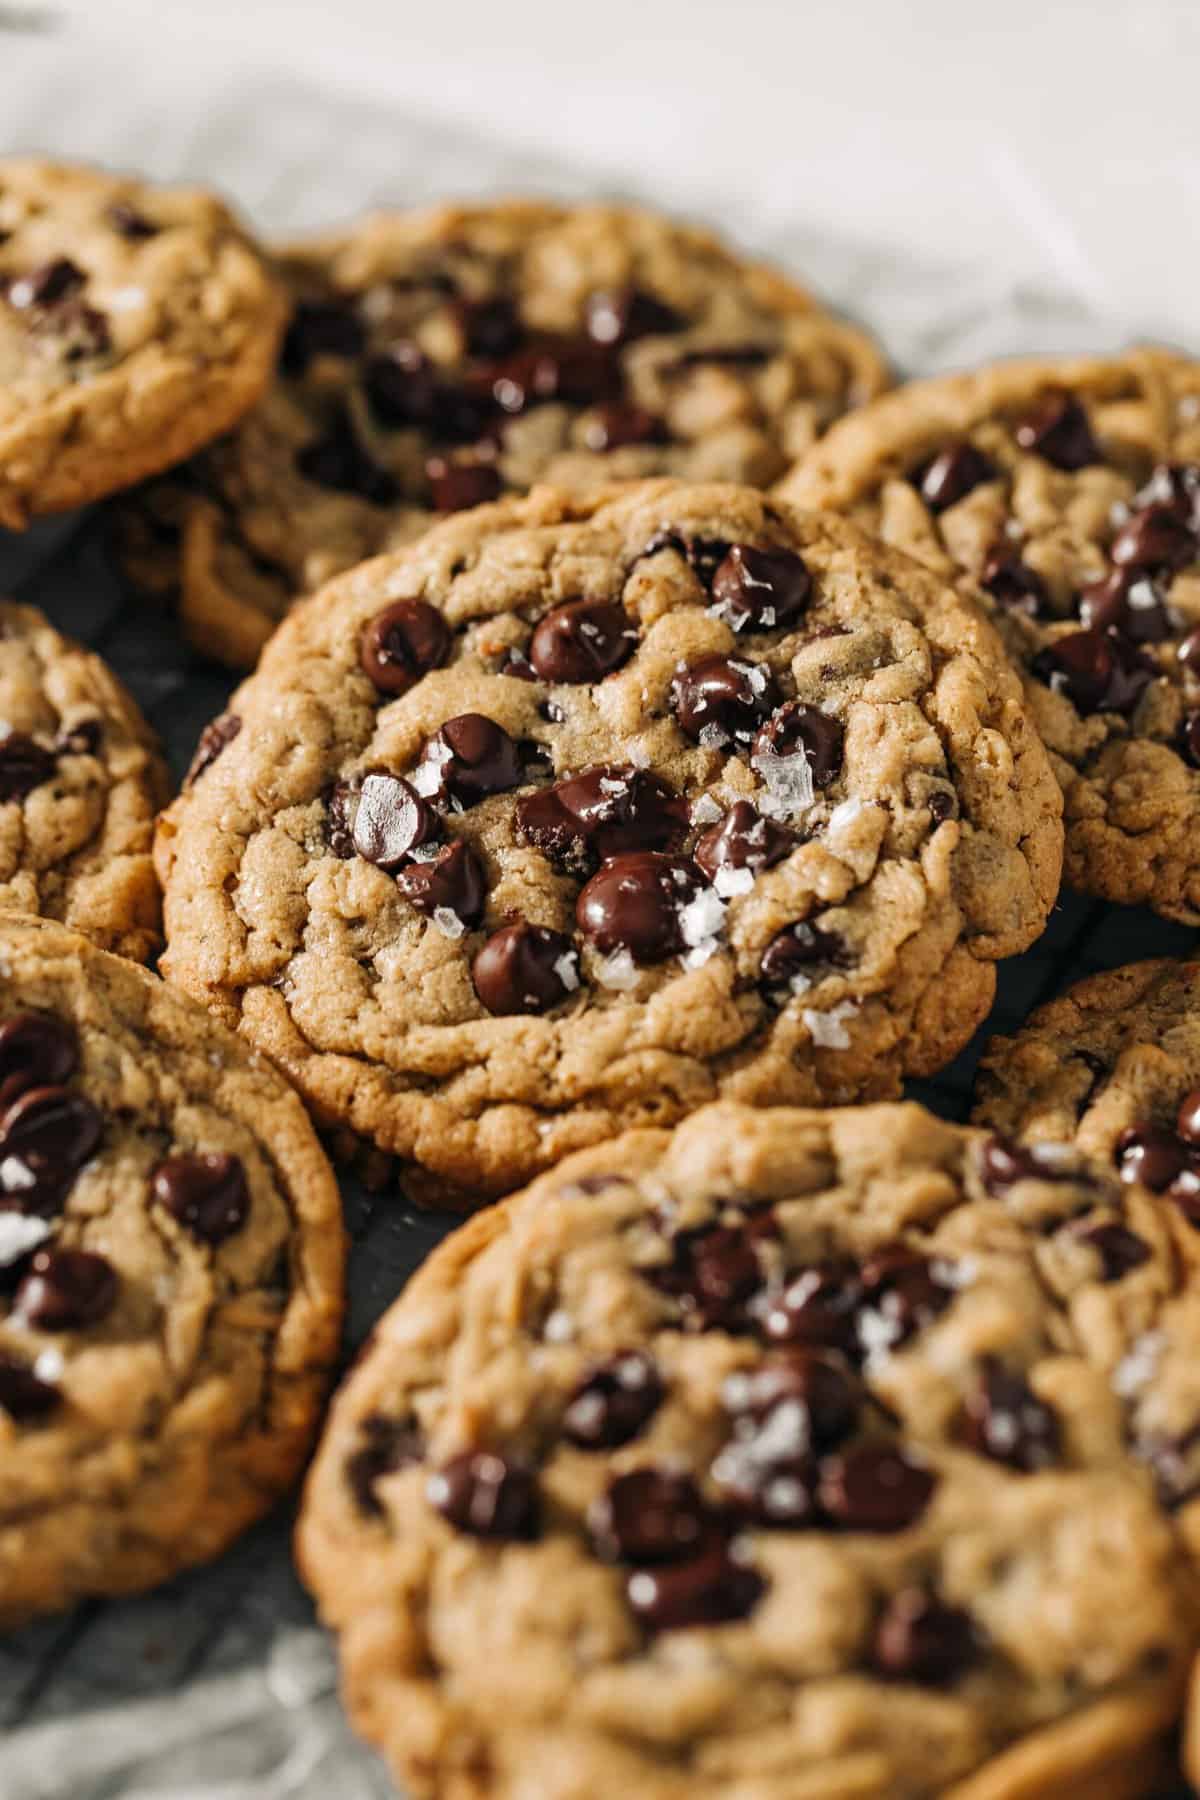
column 437, row 359
column 170, row 1277
column 586, row 810
column 791, row 1454
column 1069, row 493
column 81, row 779
column 135, row 324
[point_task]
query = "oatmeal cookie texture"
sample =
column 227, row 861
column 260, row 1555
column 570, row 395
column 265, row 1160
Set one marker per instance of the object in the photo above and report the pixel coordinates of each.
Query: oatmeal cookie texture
column 170, row 1277
column 584, row 811
column 1069, row 493
column 135, row 324
column 801, row 1455
column 81, row 779
column 436, row 359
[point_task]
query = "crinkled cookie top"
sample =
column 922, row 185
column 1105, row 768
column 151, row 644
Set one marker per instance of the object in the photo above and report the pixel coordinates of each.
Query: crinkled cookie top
column 1069, row 493
column 790, row 1454
column 582, row 812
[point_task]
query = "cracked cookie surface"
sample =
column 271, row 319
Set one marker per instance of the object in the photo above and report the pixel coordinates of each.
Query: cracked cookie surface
column 791, row 1454
column 1068, row 493
column 437, row 359
column 135, row 324
column 81, row 779
column 170, row 1277
column 584, row 811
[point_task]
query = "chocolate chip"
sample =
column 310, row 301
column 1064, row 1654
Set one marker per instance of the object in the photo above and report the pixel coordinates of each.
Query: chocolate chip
column 613, row 1402
column 50, row 1128
column 525, row 968
column 385, row 1445
column 402, row 643
column 943, row 805
column 920, row 1639
column 1098, row 671
column 818, row 1307
column 1003, row 1162
column 213, row 739
column 1187, row 1119
column 1014, row 584
column 902, row 1294
column 24, row 765
column 782, row 1412
column 762, row 589
column 874, row 1487
column 36, row 1050
column 1059, row 431
column 64, row 1290
column 608, row 809
column 952, row 474
column 703, row 555
column 1119, row 1249
column 649, row 1516
column 129, row 223
column 1189, row 738
column 490, row 327
column 714, row 1273
column 582, row 640
column 457, row 486
column 1003, row 1419
column 721, row 697
column 1175, row 486
column 1126, row 601
column 23, row 1395
column 617, row 316
column 614, row 427
column 743, row 840
column 466, row 759
column 568, row 370
column 403, row 389
column 1154, row 538
column 451, row 881
column 339, row 460
column 47, row 285
column 391, row 821
column 321, row 328
column 81, row 739
column 486, row 1495
column 634, row 902
column 1155, row 1157
column 205, row 1192
column 796, row 728
column 713, row 1589
column 794, row 949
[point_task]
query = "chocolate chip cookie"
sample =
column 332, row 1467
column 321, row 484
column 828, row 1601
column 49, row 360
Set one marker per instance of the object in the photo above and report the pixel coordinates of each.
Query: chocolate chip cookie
column 170, row 1277
column 135, row 324
column 1069, row 494
column 586, row 810
column 81, row 779
column 791, row 1454
column 438, row 359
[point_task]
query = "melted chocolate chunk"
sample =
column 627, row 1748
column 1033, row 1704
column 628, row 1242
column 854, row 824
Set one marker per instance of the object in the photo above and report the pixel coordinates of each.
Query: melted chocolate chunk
column 715, row 1272
column 36, row 1050
column 452, row 881
column 875, row 1488
column 782, row 1413
column 23, row 1395
column 719, row 698
column 1016, row 586
column 391, row 821
column 64, row 1290
column 703, row 555
column 608, row 810
column 614, row 427
column 743, row 840
column 47, row 285
column 525, row 968
column 490, row 327
column 205, row 1192
column 402, row 389
column 569, row 370
column 634, row 902
column 467, row 759
column 794, row 950
column 616, row 316
column 81, row 739
column 457, row 486
column 650, row 1516
column 1003, row 1419
column 486, row 1495
column 1098, row 671
column 321, row 328
column 902, row 1294
column 1059, row 431
column 760, row 590
column 582, row 641
column 613, row 1402
column 24, row 765
column 953, row 474
column 920, row 1639
column 796, row 728
column 402, row 643
column 1158, row 1158
column 818, row 1307
column 713, row 1589
column 213, row 739
column 1154, row 538
column 1127, row 602
column 339, row 460
column 1119, row 1249
column 385, row 1446
column 47, row 1134
column 1003, row 1162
